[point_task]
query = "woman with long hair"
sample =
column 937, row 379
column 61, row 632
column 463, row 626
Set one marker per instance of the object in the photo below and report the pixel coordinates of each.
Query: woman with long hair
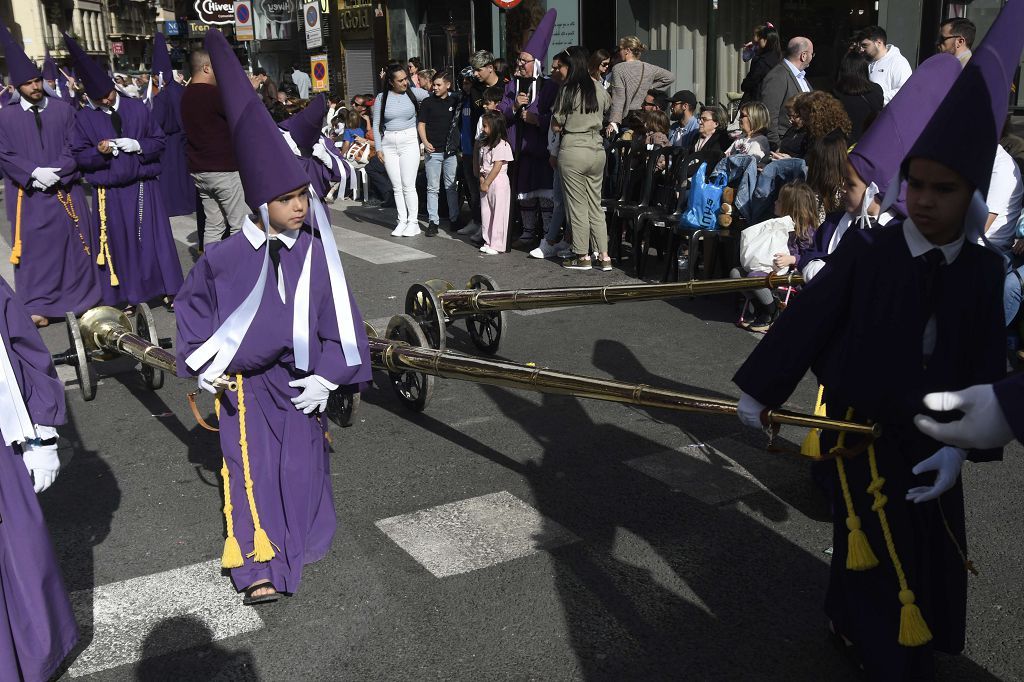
column 631, row 79
column 600, row 64
column 767, row 53
column 861, row 98
column 578, row 116
column 398, row 143
column 754, row 122
column 826, row 168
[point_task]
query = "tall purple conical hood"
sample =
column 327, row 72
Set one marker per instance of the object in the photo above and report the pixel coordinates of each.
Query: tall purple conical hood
column 537, row 45
column 305, row 125
column 20, row 68
column 265, row 163
column 97, row 83
column 881, row 150
column 161, row 58
column 964, row 132
column 49, row 68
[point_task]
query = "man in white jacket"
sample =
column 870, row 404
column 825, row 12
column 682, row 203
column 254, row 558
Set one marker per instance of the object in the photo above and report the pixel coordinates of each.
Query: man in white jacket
column 888, row 67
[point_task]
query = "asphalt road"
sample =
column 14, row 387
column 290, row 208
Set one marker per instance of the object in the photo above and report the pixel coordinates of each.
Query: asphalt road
column 499, row 534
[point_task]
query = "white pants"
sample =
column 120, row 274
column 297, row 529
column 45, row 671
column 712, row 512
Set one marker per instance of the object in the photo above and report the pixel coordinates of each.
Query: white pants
column 402, row 161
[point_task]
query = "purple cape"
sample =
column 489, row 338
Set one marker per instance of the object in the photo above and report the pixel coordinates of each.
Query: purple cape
column 288, row 453
column 55, row 275
column 534, row 169
column 176, row 185
column 37, row 626
column 143, row 252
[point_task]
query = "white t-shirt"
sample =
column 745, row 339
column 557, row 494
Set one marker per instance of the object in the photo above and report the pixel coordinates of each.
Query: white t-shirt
column 1005, row 193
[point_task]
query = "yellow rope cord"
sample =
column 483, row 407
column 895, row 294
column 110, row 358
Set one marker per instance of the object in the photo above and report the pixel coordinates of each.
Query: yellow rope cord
column 104, row 257
column 16, row 251
column 859, row 555
column 232, row 556
column 913, row 629
column 263, row 548
column 811, row 446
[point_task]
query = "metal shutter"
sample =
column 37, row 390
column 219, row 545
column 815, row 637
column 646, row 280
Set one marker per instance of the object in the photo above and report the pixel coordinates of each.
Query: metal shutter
column 359, row 67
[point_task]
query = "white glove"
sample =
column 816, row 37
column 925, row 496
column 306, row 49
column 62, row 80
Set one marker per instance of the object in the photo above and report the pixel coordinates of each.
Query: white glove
column 982, row 426
column 315, row 391
column 127, row 144
column 947, row 462
column 320, row 152
column 750, row 411
column 291, row 143
column 44, row 178
column 42, row 464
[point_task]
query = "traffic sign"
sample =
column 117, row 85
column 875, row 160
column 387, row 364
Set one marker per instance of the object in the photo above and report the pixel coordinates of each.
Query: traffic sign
column 311, row 20
column 318, row 73
column 243, row 20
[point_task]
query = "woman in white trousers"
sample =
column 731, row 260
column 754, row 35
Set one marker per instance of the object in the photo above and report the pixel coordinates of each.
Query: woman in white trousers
column 395, row 114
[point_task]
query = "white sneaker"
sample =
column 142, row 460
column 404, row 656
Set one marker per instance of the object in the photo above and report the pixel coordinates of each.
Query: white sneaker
column 397, row 232
column 488, row 251
column 482, row 248
column 411, row 230
column 471, row 228
column 544, row 250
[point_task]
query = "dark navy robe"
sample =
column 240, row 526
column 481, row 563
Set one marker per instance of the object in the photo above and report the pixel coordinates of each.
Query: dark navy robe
column 859, row 327
column 176, row 185
column 530, row 142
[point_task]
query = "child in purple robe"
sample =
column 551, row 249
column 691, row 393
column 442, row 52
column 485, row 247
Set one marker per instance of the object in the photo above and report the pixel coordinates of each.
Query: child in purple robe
column 884, row 323
column 37, row 626
column 117, row 146
column 270, row 308
column 302, row 131
column 50, row 220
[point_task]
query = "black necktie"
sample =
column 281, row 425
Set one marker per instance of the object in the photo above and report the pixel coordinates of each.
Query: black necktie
column 933, row 260
column 115, row 118
column 39, row 121
column 275, row 254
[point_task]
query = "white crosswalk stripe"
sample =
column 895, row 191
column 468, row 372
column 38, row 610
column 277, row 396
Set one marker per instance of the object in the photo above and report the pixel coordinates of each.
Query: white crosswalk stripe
column 124, row 613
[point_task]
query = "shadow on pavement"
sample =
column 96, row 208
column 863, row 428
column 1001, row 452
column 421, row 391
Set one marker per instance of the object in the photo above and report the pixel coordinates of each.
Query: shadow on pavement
column 203, row 660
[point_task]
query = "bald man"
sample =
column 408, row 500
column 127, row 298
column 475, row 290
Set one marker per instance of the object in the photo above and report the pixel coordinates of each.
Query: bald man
column 786, row 79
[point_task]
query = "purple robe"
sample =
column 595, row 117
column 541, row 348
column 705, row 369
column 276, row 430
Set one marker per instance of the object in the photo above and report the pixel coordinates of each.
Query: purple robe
column 288, row 454
column 55, row 275
column 144, row 256
column 320, row 176
column 530, row 142
column 859, row 325
column 176, row 185
column 37, row 626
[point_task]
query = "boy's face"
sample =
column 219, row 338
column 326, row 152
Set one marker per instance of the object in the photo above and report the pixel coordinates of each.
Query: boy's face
column 854, row 189
column 441, row 87
column 490, row 106
column 937, row 200
column 288, row 211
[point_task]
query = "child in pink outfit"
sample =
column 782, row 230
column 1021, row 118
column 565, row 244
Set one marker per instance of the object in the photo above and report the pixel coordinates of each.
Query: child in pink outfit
column 496, row 193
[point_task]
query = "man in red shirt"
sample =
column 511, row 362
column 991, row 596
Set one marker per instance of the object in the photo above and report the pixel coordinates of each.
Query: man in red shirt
column 211, row 160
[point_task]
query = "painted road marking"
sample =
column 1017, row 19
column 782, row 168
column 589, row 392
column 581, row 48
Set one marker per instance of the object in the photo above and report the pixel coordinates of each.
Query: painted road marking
column 374, row 249
column 476, row 533
column 125, row 613
column 701, row 471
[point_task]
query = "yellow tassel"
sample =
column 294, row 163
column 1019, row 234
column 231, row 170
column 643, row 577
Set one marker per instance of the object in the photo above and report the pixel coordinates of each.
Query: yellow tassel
column 263, row 547
column 104, row 257
column 232, row 556
column 811, row 446
column 859, row 555
column 913, row 630
column 16, row 250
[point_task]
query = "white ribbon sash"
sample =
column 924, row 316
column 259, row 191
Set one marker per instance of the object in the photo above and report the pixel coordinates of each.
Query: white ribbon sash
column 15, row 422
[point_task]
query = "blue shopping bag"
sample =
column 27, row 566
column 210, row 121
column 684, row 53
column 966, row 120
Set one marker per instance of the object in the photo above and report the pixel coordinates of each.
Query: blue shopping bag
column 704, row 201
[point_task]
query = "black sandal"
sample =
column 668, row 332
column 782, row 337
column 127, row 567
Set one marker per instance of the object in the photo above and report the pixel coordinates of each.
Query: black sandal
column 249, row 600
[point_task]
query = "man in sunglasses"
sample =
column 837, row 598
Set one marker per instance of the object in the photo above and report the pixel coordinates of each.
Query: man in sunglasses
column 956, row 37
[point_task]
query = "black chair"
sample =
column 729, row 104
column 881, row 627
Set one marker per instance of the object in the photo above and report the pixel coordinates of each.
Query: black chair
column 636, row 188
column 660, row 207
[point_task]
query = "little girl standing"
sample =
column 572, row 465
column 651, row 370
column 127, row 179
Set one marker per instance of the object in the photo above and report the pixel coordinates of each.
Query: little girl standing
column 495, row 191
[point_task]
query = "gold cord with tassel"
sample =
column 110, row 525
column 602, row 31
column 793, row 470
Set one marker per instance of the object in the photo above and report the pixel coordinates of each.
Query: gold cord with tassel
column 811, row 446
column 104, row 257
column 263, row 548
column 859, row 555
column 232, row 556
column 16, row 250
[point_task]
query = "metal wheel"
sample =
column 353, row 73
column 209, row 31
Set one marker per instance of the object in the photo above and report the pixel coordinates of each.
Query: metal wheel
column 341, row 408
column 422, row 304
column 79, row 359
column 486, row 329
column 412, row 388
column 145, row 326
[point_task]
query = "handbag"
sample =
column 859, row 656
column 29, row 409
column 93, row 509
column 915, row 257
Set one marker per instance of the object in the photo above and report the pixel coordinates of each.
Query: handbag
column 759, row 244
column 359, row 154
column 704, row 201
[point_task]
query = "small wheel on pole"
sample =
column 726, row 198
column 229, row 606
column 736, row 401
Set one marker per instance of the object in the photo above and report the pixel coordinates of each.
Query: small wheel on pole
column 341, row 408
column 423, row 305
column 486, row 329
column 412, row 388
column 145, row 326
column 78, row 358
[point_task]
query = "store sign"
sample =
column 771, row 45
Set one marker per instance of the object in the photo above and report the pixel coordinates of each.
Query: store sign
column 215, row 13
column 318, row 73
column 243, row 20
column 311, row 19
column 117, row 48
column 172, row 28
column 356, row 18
column 197, row 29
column 278, row 11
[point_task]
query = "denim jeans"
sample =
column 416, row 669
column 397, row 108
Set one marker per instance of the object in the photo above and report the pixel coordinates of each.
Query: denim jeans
column 1012, row 295
column 436, row 164
column 558, row 212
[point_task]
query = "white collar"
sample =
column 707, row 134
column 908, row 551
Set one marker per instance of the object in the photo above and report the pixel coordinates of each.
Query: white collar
column 256, row 237
column 796, row 72
column 26, row 105
column 919, row 244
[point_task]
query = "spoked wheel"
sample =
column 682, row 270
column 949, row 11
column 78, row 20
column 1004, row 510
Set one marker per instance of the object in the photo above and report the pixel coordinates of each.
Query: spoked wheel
column 341, row 408
column 412, row 388
column 423, row 305
column 77, row 357
column 145, row 326
column 486, row 329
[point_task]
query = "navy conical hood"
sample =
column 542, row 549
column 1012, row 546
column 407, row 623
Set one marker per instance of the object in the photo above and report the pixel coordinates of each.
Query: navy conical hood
column 97, row 83
column 265, row 163
column 305, row 125
column 20, row 68
column 49, row 68
column 161, row 59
